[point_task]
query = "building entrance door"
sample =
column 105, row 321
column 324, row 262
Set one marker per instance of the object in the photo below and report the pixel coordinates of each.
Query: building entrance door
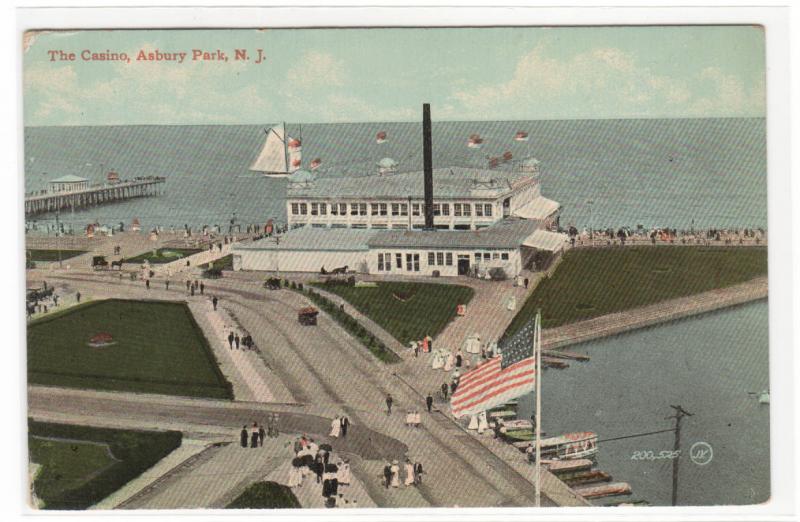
column 463, row 265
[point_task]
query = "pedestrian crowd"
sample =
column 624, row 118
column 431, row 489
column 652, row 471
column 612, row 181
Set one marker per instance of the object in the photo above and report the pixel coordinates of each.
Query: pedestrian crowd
column 412, row 471
column 331, row 475
column 257, row 433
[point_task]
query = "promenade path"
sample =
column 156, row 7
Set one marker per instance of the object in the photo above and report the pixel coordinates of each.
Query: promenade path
column 326, row 368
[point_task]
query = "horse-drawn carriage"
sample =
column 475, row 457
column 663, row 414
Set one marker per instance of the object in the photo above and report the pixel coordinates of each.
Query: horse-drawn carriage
column 273, row 283
column 100, row 263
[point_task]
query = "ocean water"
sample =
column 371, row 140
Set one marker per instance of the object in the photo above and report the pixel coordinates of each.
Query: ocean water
column 707, row 365
column 706, row 172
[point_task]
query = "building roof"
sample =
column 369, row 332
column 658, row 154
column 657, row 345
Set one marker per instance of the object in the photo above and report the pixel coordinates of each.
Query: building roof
column 320, row 239
column 546, row 240
column 450, row 182
column 538, row 208
column 505, row 234
column 69, row 178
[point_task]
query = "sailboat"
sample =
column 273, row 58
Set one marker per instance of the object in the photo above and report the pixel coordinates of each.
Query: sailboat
column 281, row 154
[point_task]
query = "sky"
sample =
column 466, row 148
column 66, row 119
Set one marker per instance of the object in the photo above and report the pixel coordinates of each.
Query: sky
column 354, row 75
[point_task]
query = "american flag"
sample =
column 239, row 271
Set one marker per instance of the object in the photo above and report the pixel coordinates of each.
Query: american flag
column 501, row 378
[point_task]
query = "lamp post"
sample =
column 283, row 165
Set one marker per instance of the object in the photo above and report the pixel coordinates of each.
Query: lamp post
column 589, row 203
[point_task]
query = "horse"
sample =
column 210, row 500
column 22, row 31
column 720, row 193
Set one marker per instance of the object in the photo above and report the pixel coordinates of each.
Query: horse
column 117, row 264
column 340, row 270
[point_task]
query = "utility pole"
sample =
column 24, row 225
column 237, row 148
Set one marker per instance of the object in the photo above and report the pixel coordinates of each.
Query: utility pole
column 591, row 221
column 680, row 413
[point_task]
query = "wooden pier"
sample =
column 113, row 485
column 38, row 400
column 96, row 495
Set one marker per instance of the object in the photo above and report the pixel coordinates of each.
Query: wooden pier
column 96, row 195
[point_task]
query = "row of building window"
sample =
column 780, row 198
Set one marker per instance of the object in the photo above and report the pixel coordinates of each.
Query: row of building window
column 397, row 209
column 385, row 262
column 434, row 259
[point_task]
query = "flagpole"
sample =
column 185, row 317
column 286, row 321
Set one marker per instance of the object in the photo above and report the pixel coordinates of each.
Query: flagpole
column 537, row 341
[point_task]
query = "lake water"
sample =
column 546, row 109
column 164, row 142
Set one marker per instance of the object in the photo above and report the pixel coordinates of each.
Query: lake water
column 707, row 365
column 652, row 172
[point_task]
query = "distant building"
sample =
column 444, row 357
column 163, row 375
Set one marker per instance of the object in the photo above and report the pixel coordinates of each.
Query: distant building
column 464, row 199
column 68, row 183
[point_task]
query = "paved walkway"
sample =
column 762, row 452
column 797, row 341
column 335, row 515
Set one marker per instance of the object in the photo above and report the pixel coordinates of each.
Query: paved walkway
column 215, row 479
column 252, row 381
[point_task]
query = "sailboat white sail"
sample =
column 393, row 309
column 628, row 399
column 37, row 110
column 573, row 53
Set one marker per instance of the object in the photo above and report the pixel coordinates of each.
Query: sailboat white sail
column 280, row 155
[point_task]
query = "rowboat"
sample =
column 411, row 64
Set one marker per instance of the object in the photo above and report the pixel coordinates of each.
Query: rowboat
column 604, row 490
column 565, row 466
column 580, row 478
column 502, row 414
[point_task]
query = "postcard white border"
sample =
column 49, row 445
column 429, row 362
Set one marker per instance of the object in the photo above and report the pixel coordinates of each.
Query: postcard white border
column 783, row 505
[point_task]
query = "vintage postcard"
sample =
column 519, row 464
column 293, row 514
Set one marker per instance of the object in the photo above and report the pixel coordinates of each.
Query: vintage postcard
column 396, row 267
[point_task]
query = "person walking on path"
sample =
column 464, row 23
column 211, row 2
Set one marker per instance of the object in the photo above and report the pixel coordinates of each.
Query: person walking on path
column 147, row 283
column 214, row 302
column 188, row 284
column 345, row 425
column 387, row 475
column 526, row 283
column 418, row 473
column 237, row 340
column 191, row 290
column 389, row 402
column 261, row 434
column 444, row 390
column 166, row 284
column 254, row 436
column 429, row 402
column 230, row 340
column 78, row 297
column 243, row 437
column 202, row 288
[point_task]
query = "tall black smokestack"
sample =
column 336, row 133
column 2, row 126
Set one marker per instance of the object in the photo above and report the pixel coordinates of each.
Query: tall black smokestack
column 427, row 164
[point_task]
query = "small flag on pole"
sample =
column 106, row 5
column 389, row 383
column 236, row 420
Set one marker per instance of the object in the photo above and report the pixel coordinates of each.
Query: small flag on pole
column 501, row 378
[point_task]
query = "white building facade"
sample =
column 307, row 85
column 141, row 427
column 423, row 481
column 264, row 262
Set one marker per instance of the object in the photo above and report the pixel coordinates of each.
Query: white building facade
column 463, row 199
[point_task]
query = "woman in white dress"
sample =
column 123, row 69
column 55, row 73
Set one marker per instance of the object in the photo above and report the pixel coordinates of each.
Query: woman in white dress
column 448, row 364
column 438, row 360
column 336, row 427
column 343, row 475
column 295, row 477
column 395, row 474
column 409, row 474
column 473, row 422
column 483, row 424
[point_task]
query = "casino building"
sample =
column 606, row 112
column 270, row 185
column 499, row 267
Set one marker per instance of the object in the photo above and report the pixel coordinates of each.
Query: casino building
column 439, row 222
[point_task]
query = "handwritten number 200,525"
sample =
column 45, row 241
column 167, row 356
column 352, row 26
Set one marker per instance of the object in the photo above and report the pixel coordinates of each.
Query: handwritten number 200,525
column 650, row 455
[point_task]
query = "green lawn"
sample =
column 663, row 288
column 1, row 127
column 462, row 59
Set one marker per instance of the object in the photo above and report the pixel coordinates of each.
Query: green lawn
column 593, row 282
column 51, row 255
column 408, row 311
column 162, row 255
column 158, row 348
column 82, row 465
column 265, row 495
column 66, row 465
column 223, row 263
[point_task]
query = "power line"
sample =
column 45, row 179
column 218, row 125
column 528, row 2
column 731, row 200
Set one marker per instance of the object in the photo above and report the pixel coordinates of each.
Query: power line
column 637, row 435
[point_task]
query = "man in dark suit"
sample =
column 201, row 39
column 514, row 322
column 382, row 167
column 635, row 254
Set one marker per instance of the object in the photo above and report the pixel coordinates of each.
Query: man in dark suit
column 387, row 475
column 345, row 424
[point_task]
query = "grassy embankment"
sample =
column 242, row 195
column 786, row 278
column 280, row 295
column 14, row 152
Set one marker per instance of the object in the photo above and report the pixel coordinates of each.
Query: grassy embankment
column 163, row 255
column 407, row 311
column 157, row 348
column 50, row 255
column 82, row 465
column 594, row 282
column 265, row 495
